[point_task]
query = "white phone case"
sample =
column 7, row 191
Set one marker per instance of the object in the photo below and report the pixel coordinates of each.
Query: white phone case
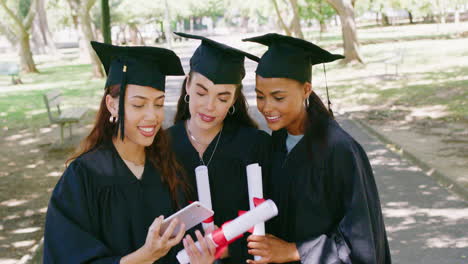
column 191, row 215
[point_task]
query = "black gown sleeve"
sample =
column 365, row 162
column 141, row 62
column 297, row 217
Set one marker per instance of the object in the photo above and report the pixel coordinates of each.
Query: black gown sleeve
column 70, row 234
column 262, row 154
column 360, row 235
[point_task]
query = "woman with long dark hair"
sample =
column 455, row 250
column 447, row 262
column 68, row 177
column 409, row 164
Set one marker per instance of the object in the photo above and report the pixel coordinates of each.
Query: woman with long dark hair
column 109, row 204
column 322, row 181
column 212, row 127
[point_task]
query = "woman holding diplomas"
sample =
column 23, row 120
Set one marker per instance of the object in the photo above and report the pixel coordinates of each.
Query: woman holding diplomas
column 322, row 182
column 109, row 204
column 212, row 128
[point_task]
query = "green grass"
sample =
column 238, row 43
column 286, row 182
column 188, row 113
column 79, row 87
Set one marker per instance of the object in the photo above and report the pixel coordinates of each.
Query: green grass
column 434, row 72
column 389, row 33
column 22, row 106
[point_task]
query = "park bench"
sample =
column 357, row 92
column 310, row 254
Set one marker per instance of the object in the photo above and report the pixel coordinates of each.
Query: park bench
column 11, row 69
column 395, row 58
column 61, row 117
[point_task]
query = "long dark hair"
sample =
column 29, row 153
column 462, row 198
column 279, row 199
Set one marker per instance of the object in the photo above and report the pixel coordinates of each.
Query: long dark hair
column 318, row 117
column 240, row 117
column 316, row 134
column 159, row 153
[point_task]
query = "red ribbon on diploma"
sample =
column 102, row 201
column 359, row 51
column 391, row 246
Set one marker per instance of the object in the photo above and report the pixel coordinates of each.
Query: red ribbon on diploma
column 209, row 220
column 221, row 241
column 257, row 202
column 218, row 235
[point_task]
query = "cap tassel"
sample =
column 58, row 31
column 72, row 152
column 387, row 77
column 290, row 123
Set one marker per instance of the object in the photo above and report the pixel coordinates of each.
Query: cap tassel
column 326, row 87
column 123, row 84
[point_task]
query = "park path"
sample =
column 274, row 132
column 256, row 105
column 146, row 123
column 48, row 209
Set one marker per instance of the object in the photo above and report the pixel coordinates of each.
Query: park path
column 425, row 222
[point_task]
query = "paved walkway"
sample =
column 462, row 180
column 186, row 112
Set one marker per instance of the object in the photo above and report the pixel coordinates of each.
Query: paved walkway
column 425, row 222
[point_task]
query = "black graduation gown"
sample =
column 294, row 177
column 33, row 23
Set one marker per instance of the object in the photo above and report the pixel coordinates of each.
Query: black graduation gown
column 99, row 211
column 238, row 147
column 327, row 200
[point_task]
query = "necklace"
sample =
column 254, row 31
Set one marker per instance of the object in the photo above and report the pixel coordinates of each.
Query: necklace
column 194, row 139
column 214, row 150
column 215, row 147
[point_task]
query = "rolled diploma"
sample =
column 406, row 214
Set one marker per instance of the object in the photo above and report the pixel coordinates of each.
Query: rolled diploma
column 203, row 189
column 238, row 226
column 255, row 187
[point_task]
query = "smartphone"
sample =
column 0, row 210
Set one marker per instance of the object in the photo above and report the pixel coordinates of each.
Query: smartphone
column 191, row 215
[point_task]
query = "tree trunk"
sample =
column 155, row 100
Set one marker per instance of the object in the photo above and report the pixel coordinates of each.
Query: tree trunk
column 191, row 24
column 26, row 58
column 296, row 20
column 323, row 27
column 22, row 32
column 140, row 36
column 121, row 36
column 385, row 20
column 88, row 36
column 410, row 16
column 80, row 14
column 280, row 19
column 37, row 42
column 348, row 29
column 9, row 34
column 106, row 28
column 135, row 36
column 456, row 18
column 43, row 27
column 167, row 25
column 244, row 25
column 442, row 18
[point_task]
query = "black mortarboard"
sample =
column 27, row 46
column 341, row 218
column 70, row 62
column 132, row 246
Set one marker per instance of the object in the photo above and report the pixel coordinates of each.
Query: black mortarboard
column 145, row 66
column 289, row 57
column 218, row 62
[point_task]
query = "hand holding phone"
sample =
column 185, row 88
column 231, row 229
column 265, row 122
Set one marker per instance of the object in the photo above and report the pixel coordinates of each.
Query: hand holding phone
column 190, row 215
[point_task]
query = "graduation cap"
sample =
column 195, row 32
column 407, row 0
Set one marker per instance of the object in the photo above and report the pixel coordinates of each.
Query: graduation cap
column 289, row 57
column 145, row 66
column 218, row 62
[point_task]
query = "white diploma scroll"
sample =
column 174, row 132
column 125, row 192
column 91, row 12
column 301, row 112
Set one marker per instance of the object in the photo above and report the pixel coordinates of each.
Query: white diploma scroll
column 203, row 189
column 255, row 186
column 231, row 230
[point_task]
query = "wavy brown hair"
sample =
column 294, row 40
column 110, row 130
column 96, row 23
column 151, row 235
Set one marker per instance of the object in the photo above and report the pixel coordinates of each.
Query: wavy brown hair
column 159, row 153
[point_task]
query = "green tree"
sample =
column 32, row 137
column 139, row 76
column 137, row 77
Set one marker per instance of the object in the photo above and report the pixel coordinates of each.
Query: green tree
column 21, row 25
column 130, row 15
column 345, row 10
column 81, row 16
column 319, row 10
column 257, row 11
column 290, row 9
